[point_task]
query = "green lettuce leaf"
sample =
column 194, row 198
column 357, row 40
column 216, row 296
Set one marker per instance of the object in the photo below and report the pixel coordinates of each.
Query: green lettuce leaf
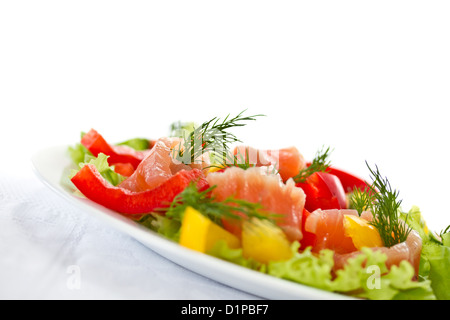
column 446, row 239
column 306, row 268
column 435, row 266
column 415, row 220
column 222, row 251
column 139, row 144
column 365, row 276
column 163, row 225
column 78, row 152
column 395, row 284
column 435, row 255
column 355, row 277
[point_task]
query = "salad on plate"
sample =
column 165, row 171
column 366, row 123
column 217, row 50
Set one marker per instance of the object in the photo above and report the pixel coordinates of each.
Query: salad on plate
column 271, row 211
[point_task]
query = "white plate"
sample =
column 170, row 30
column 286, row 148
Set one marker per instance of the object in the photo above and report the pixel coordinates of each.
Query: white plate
column 50, row 165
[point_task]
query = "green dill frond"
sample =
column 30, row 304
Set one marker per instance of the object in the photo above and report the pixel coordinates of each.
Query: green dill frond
column 361, row 200
column 320, row 163
column 205, row 203
column 444, row 231
column 386, row 209
column 212, row 136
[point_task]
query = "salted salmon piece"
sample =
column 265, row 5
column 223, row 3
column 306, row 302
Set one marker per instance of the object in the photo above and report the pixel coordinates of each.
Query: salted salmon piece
column 155, row 169
column 408, row 250
column 256, row 185
column 288, row 161
column 291, row 162
column 328, row 227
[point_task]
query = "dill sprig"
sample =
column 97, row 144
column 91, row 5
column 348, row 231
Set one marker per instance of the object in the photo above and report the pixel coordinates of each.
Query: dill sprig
column 204, row 202
column 385, row 209
column 213, row 137
column 361, row 200
column 444, row 231
column 320, row 163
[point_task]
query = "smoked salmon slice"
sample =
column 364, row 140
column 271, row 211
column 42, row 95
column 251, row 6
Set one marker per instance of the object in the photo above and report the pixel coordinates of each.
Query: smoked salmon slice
column 155, row 169
column 288, row 161
column 328, row 226
column 286, row 201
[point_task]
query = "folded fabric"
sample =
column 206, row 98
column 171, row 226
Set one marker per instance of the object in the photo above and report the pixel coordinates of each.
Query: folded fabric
column 51, row 250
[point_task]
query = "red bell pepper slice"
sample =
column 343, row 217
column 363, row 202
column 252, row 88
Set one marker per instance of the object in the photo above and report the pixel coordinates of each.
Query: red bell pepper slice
column 309, row 238
column 348, row 180
column 95, row 143
column 92, row 185
column 323, row 190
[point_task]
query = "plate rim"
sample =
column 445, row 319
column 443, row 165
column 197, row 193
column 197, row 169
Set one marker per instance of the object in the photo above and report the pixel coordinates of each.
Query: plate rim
column 227, row 273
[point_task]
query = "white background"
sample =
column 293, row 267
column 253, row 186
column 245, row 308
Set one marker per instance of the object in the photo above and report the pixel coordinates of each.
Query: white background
column 371, row 79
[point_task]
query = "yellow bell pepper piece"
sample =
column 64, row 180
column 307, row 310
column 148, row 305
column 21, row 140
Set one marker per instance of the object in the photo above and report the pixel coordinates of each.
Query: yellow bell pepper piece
column 214, row 169
column 201, row 234
column 263, row 241
column 361, row 232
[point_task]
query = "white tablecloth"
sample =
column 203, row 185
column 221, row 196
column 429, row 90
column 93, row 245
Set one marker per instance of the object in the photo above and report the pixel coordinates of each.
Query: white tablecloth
column 51, row 250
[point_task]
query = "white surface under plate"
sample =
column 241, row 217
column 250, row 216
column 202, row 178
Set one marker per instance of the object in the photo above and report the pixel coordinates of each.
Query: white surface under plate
column 51, row 163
